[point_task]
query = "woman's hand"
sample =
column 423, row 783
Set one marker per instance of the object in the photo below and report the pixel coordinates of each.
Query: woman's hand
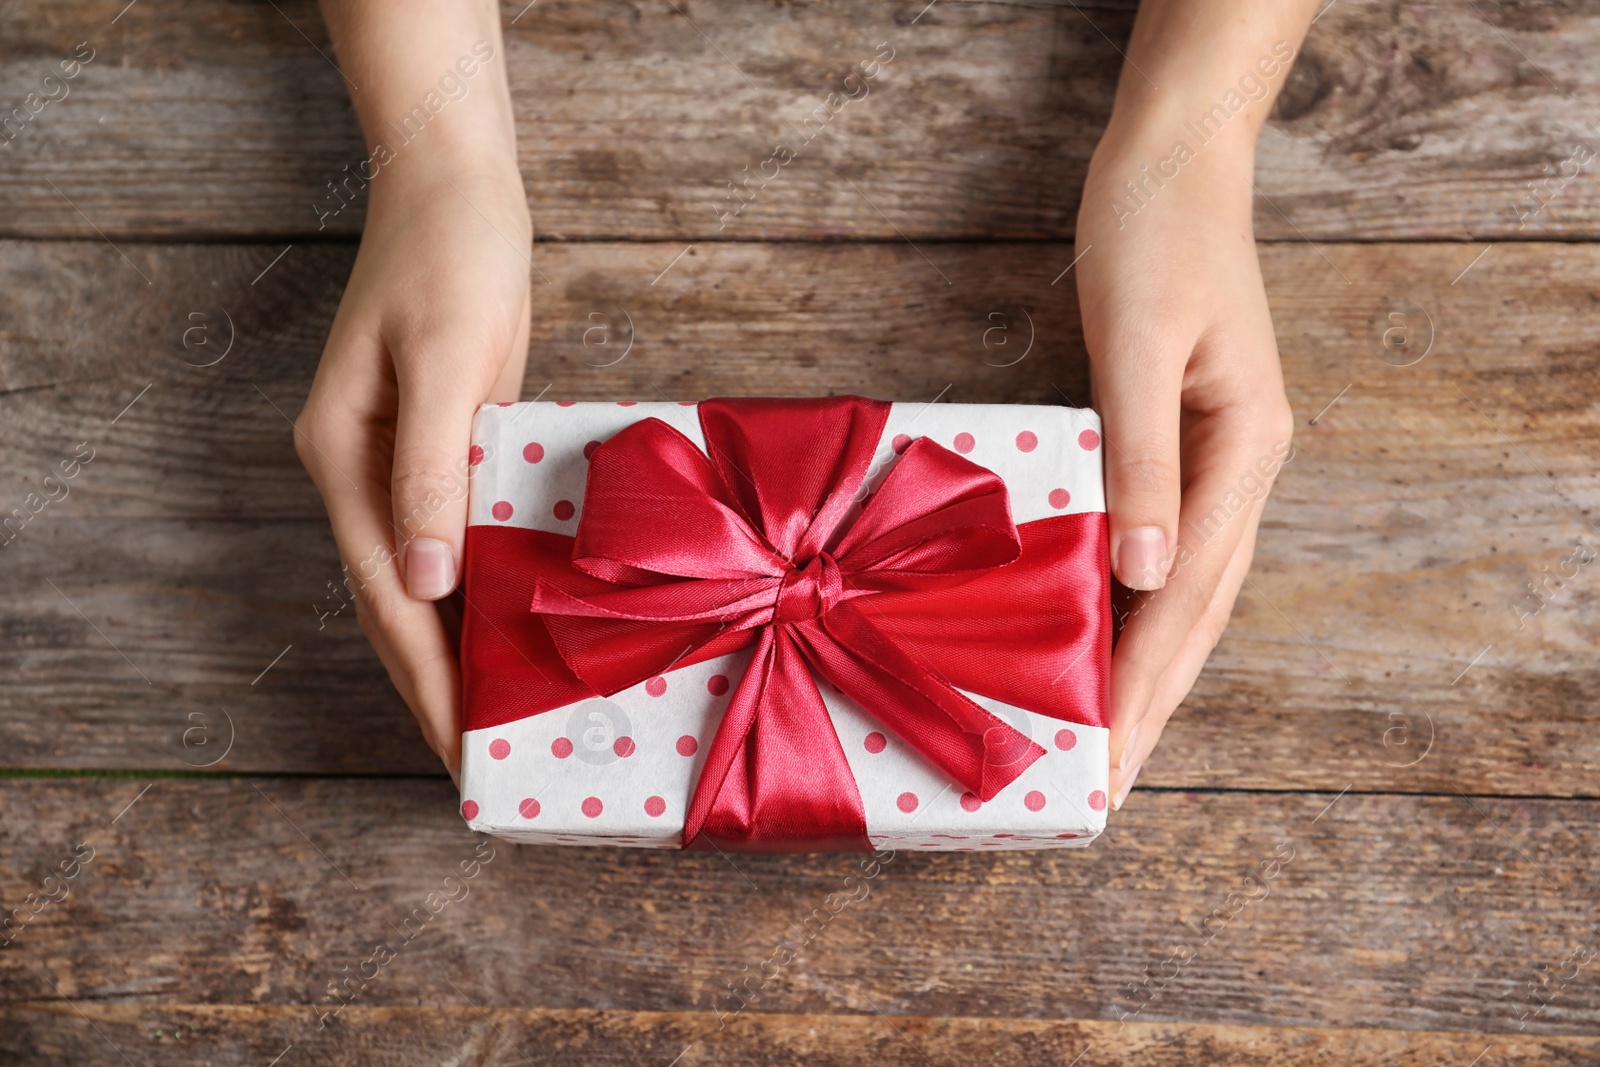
column 1183, row 364
column 434, row 322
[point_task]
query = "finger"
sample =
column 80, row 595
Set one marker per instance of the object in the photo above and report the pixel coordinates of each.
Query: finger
column 415, row 649
column 1228, row 455
column 433, row 435
column 408, row 634
column 1181, row 673
column 396, row 670
column 1138, row 380
column 344, row 447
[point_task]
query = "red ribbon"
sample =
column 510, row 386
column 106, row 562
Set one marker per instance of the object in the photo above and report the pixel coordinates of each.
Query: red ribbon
column 683, row 555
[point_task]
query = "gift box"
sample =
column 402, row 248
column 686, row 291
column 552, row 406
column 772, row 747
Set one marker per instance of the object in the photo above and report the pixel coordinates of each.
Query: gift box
column 786, row 625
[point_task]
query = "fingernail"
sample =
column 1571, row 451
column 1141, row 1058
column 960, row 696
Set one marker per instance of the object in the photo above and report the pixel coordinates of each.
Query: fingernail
column 1142, row 558
column 1122, row 794
column 1129, row 747
column 430, row 569
column 455, row 776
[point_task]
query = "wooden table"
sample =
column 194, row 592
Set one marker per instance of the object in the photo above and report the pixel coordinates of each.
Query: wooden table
column 247, row 809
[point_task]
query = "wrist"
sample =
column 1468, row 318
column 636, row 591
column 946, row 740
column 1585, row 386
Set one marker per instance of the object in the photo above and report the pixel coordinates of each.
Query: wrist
column 1163, row 161
column 445, row 111
column 465, row 148
column 1214, row 103
column 489, row 191
column 1189, row 127
column 421, row 165
column 1175, row 150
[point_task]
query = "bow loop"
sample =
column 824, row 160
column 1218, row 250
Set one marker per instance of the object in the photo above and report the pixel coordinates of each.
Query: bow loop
column 936, row 514
column 793, row 466
column 654, row 503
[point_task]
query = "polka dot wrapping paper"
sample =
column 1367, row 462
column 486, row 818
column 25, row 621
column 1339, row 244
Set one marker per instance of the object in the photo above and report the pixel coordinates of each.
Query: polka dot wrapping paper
column 621, row 769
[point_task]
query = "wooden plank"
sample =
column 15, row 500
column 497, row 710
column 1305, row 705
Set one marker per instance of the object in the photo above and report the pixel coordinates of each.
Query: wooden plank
column 99, row 356
column 51, row 1032
column 1401, row 121
column 1395, row 550
column 1425, row 913
column 181, row 646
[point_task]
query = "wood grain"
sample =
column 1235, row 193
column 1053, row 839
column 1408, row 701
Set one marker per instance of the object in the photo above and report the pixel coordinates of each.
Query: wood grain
column 1400, row 121
column 202, row 1035
column 1393, row 551
column 1405, row 700
column 1387, row 912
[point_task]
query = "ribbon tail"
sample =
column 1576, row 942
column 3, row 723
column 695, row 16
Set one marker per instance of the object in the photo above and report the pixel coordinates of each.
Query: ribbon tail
column 775, row 777
column 974, row 748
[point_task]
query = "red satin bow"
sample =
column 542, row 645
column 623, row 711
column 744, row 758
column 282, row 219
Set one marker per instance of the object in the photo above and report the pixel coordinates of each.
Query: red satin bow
column 683, row 555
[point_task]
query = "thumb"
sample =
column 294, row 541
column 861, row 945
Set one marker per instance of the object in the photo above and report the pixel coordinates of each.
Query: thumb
column 1138, row 388
column 433, row 434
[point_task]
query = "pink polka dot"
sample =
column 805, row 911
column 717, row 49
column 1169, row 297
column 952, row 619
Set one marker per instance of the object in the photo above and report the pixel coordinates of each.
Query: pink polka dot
column 561, row 748
column 655, row 807
column 564, row 510
column 589, row 447
column 1005, row 835
column 1067, row 836
column 565, row 403
column 900, row 443
column 469, row 809
column 1060, row 498
column 970, row 802
column 1027, row 441
column 964, row 443
column 656, row 686
column 501, row 510
column 906, row 802
column 623, row 746
column 687, row 745
column 1065, row 740
column 1034, row 801
column 592, row 807
column 475, row 455
column 1088, row 440
column 499, row 748
column 717, row 684
column 687, row 403
column 529, row 808
column 1097, row 800
column 502, row 403
column 626, row 403
column 533, row 451
column 875, row 742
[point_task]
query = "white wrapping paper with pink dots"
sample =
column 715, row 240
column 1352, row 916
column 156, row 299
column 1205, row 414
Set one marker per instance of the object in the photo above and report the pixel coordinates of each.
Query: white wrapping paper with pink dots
column 620, row 770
